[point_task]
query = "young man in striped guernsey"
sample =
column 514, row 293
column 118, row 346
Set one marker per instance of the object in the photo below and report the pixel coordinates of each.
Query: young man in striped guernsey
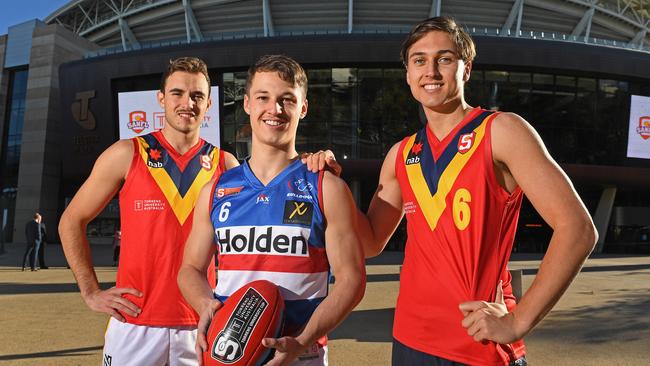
column 272, row 219
column 460, row 181
column 159, row 177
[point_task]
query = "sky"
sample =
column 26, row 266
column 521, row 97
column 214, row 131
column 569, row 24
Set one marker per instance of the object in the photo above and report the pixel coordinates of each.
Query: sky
column 15, row 12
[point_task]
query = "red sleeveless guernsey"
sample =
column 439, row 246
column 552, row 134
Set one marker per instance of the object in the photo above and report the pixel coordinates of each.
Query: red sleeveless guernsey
column 156, row 209
column 461, row 226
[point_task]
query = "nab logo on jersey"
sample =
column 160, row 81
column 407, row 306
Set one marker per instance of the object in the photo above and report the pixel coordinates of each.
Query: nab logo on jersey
column 296, row 212
column 465, row 142
column 413, row 157
column 154, row 157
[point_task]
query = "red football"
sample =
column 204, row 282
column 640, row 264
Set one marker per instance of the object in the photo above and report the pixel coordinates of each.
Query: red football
column 252, row 313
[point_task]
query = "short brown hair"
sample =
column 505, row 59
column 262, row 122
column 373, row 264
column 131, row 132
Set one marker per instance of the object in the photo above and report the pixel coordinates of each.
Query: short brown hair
column 463, row 41
column 288, row 69
column 192, row 65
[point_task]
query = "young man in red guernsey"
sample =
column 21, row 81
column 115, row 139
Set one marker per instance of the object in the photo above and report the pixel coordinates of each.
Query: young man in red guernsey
column 460, row 181
column 158, row 177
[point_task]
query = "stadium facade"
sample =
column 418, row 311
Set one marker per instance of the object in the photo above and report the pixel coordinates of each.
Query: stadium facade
column 569, row 67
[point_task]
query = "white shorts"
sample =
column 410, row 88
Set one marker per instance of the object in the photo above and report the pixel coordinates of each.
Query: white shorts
column 139, row 345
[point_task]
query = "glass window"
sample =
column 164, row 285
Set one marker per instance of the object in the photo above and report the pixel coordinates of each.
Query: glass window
column 10, row 158
column 314, row 129
column 235, row 129
column 402, row 115
column 344, row 92
column 613, row 104
column 371, row 104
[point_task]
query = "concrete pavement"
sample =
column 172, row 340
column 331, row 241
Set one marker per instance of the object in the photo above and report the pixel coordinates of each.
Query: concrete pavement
column 603, row 318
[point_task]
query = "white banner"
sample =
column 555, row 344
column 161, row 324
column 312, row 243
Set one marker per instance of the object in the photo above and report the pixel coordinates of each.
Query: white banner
column 638, row 138
column 140, row 114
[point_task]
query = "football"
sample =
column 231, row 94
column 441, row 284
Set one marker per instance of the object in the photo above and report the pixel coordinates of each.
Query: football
column 250, row 314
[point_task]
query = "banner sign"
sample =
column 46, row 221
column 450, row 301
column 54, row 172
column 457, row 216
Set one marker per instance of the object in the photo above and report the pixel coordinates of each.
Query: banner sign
column 140, row 114
column 638, row 138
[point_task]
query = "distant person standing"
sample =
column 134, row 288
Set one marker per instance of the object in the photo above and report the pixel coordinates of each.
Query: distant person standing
column 33, row 236
column 41, row 247
column 116, row 246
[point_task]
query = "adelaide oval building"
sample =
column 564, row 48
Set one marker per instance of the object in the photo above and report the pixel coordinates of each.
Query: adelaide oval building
column 578, row 71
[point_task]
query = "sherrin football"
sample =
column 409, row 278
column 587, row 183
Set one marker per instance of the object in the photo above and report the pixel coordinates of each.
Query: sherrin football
column 250, row 314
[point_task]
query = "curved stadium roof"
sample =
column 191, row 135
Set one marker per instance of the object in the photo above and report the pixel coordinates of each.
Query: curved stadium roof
column 133, row 24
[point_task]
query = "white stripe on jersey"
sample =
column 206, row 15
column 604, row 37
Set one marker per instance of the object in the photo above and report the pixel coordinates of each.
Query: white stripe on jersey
column 293, row 286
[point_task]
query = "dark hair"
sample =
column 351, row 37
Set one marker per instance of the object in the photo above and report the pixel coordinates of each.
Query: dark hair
column 463, row 41
column 192, row 65
column 288, row 69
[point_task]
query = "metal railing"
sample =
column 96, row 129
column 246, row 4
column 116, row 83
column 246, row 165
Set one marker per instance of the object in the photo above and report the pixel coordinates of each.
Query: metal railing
column 474, row 31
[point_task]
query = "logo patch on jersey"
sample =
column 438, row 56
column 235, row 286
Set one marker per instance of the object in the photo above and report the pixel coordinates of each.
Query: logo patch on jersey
column 410, row 207
column 222, row 192
column 154, row 158
column 465, row 142
column 296, row 212
column 262, row 198
column 148, row 205
column 206, row 162
column 270, row 240
column 107, row 360
column 413, row 157
column 301, row 185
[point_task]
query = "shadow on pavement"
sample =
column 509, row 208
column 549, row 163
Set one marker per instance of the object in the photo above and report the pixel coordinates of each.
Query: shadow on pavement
column 596, row 324
column 376, row 325
column 623, row 267
column 386, row 277
column 43, row 288
column 61, row 353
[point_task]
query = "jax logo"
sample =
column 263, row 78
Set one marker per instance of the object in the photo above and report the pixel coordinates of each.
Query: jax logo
column 644, row 127
column 413, row 157
column 262, row 198
column 137, row 121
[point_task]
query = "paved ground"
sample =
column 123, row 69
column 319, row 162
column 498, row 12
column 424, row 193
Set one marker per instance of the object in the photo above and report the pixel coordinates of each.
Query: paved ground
column 602, row 320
